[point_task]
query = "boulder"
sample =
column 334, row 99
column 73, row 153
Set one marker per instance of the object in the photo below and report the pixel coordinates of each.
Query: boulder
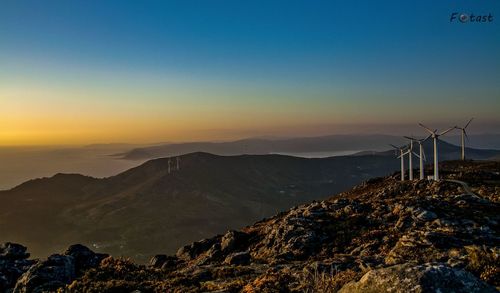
column 158, row 260
column 163, row 261
column 233, row 240
column 426, row 216
column 13, row 251
column 13, row 263
column 83, row 257
column 49, row 275
column 58, row 270
column 194, row 249
column 238, row 258
column 430, row 277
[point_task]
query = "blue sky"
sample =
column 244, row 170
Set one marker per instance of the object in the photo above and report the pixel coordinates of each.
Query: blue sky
column 316, row 62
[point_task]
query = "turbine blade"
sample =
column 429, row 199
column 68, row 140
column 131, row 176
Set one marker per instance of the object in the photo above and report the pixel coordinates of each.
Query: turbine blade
column 446, row 131
column 409, row 137
column 468, row 123
column 427, row 128
column 466, row 136
column 394, row 146
column 417, row 155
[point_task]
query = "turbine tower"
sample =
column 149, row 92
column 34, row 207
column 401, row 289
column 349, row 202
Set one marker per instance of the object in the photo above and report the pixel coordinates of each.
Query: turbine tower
column 435, row 136
column 402, row 153
column 178, row 163
column 464, row 135
column 410, row 159
column 421, row 156
column 168, row 170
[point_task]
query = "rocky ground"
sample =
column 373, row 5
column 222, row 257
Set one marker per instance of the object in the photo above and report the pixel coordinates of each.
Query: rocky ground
column 382, row 236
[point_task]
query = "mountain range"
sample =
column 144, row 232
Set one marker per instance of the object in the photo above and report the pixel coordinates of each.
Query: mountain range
column 146, row 209
column 321, row 146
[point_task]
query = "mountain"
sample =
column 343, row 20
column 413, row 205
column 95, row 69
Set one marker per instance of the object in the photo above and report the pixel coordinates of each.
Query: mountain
column 297, row 146
column 146, row 210
column 322, row 146
column 446, row 150
column 381, row 236
column 478, row 141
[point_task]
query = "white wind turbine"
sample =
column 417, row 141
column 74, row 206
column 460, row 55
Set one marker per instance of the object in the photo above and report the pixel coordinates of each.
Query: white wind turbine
column 402, row 153
column 464, row 135
column 435, row 136
column 410, row 159
column 421, row 156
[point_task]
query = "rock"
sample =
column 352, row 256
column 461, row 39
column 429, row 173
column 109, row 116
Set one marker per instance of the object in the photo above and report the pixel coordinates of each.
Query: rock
column 58, row 270
column 49, row 275
column 233, row 240
column 13, row 251
column 13, row 263
column 426, row 216
column 163, row 261
column 171, row 262
column 194, row 249
column 238, row 258
column 213, row 254
column 158, row 260
column 428, row 277
column 84, row 258
column 294, row 236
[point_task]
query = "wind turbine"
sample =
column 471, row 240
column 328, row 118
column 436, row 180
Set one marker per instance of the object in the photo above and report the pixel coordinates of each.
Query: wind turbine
column 410, row 159
column 178, row 163
column 168, row 165
column 464, row 135
column 435, row 136
column 421, row 156
column 402, row 153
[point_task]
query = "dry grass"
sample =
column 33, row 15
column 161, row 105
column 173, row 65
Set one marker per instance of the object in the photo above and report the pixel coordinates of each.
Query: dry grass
column 314, row 280
column 270, row 282
column 485, row 263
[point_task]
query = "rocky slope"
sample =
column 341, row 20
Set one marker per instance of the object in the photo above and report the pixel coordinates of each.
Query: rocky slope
column 381, row 236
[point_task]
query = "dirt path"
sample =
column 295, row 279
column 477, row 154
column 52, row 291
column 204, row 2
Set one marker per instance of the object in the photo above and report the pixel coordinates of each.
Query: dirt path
column 464, row 185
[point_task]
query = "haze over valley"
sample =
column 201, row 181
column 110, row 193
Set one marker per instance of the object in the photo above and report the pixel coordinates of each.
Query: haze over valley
column 23, row 163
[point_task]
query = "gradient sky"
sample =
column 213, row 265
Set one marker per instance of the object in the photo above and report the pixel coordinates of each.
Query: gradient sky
column 78, row 72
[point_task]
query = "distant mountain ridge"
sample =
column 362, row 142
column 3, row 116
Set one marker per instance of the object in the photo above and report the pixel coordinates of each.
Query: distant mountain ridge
column 296, row 146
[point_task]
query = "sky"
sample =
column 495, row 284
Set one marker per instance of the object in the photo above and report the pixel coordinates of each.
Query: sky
column 81, row 72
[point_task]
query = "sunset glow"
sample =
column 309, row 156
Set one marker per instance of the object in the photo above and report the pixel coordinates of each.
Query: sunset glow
column 177, row 77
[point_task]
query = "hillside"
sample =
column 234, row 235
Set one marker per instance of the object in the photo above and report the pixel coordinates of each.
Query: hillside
column 383, row 235
column 145, row 210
